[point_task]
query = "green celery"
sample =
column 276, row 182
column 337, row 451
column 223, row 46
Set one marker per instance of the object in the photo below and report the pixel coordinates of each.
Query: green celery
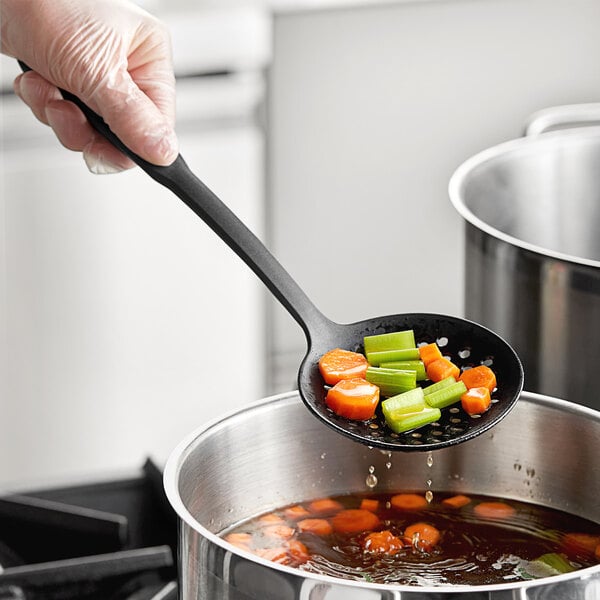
column 548, row 565
column 391, row 381
column 440, row 385
column 401, row 423
column 407, row 365
column 407, row 402
column 376, row 358
column 446, row 396
column 398, row 340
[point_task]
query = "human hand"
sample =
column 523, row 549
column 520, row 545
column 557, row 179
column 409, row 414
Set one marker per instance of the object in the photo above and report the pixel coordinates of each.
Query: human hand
column 109, row 53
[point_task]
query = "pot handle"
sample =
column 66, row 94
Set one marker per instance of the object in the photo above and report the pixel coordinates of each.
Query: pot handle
column 560, row 117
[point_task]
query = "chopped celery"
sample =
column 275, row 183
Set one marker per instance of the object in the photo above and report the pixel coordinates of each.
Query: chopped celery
column 440, row 385
column 407, row 365
column 376, row 358
column 401, row 423
column 549, row 564
column 447, row 395
column 407, row 402
column 397, row 340
column 391, row 381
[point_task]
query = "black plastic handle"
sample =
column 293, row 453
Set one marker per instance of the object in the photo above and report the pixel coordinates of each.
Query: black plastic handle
column 178, row 178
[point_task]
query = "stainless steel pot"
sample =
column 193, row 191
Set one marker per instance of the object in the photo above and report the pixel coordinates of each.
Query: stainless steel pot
column 274, row 453
column 532, row 257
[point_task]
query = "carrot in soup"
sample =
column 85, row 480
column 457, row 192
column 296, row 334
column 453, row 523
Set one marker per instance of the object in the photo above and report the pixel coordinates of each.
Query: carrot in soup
column 324, row 506
column 494, row 510
column 408, row 501
column 369, row 504
column 355, row 520
column 423, row 536
column 298, row 552
column 241, row 540
column 580, row 544
column 382, row 542
column 441, row 368
column 429, row 353
column 316, row 526
column 476, row 400
column 278, row 554
column 480, row 376
column 339, row 364
column 271, row 519
column 354, row 399
column 296, row 512
column 284, row 532
column 597, row 553
column 457, row 501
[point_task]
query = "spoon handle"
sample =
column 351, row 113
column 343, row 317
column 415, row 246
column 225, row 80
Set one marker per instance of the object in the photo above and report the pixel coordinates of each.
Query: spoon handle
column 178, row 178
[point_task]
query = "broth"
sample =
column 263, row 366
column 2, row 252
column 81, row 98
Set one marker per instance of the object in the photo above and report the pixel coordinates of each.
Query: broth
column 501, row 544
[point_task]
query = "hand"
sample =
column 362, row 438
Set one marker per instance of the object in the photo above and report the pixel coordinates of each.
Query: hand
column 112, row 55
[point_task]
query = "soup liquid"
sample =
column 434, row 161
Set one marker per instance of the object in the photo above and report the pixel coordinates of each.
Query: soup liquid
column 472, row 550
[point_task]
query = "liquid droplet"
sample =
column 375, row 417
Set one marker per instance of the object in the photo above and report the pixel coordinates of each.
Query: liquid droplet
column 429, row 496
column 371, row 469
column 388, row 465
column 429, row 459
column 323, row 455
column 371, row 481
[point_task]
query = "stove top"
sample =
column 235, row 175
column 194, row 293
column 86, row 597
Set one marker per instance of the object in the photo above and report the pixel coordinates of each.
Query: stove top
column 111, row 540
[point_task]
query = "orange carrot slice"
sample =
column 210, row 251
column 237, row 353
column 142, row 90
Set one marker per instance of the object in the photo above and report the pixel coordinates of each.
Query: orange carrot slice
column 324, row 506
column 355, row 520
column 284, row 532
column 597, row 553
column 424, row 536
column 271, row 519
column 408, row 501
column 241, row 540
column 353, row 398
column 316, row 526
column 296, row 512
column 429, row 353
column 441, row 368
column 382, row 542
column 369, row 504
column 480, row 376
column 339, row 364
column 298, row 552
column 476, row 400
column 584, row 544
column 494, row 510
column 457, row 501
column 278, row 555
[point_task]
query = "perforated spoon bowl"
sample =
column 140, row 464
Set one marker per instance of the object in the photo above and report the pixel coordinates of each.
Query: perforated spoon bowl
column 467, row 343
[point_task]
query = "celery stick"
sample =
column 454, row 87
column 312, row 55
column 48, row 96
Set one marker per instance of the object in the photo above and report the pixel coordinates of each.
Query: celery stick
column 407, row 402
column 407, row 365
column 548, row 565
column 405, row 422
column 440, row 385
column 376, row 358
column 397, row 340
column 391, row 381
column 446, row 396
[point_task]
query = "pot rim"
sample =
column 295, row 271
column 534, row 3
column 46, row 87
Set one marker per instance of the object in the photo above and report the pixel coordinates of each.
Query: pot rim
column 458, row 181
column 183, row 449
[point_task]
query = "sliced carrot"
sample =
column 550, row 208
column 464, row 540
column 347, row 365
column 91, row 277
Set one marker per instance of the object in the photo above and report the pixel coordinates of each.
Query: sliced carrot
column 457, row 501
column 284, row 532
column 382, row 542
column 353, row 398
column 354, row 520
column 580, row 544
column 475, row 401
column 339, row 364
column 480, row 376
column 270, row 519
column 278, row 555
column 324, row 506
column 494, row 510
column 597, row 553
column 423, row 536
column 441, row 368
column 429, row 353
column 408, row 501
column 316, row 526
column 298, row 552
column 241, row 540
column 296, row 512
column 369, row 504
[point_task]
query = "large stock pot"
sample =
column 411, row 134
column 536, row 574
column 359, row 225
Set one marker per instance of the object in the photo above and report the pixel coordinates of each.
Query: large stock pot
column 532, row 257
column 274, row 453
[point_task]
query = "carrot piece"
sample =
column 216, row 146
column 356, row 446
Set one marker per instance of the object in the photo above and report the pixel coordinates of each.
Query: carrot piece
column 353, row 398
column 278, row 555
column 584, row 544
column 475, row 401
column 270, row 519
column 324, row 506
column 382, row 542
column 369, row 504
column 284, row 532
column 441, row 368
column 457, row 501
column 408, row 501
column 241, row 540
column 354, row 520
column 429, row 353
column 597, row 553
column 494, row 510
column 316, row 526
column 298, row 552
column 296, row 512
column 424, row 536
column 339, row 364
column 480, row 376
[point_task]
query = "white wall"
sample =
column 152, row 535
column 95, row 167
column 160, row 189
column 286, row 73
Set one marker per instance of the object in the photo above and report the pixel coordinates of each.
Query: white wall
column 371, row 110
